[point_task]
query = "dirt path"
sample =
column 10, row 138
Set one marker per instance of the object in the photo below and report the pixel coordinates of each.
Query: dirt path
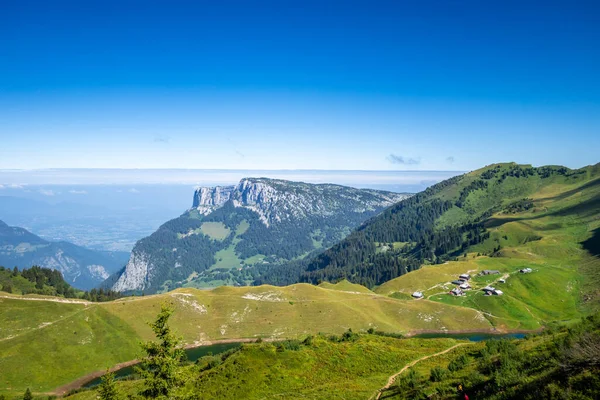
column 53, row 299
column 392, row 378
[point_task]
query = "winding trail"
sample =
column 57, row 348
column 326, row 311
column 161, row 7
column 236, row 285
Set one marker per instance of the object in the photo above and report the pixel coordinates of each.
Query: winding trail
column 392, row 378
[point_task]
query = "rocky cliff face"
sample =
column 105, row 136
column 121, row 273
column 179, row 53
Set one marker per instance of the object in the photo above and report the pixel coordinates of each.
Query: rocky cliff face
column 206, row 200
column 278, row 200
column 283, row 221
column 135, row 275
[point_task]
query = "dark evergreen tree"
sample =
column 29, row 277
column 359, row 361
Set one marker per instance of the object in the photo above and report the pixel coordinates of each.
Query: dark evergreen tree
column 159, row 367
column 107, row 390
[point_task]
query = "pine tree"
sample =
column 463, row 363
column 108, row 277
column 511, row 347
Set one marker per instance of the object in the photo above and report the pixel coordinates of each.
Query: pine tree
column 108, row 387
column 159, row 367
column 28, row 395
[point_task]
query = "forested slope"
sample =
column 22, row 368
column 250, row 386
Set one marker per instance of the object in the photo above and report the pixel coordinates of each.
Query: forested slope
column 445, row 221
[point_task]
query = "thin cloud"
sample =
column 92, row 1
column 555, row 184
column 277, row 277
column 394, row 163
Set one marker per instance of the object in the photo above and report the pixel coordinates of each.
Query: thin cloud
column 47, row 192
column 396, row 159
column 133, row 190
column 162, row 139
column 239, row 153
column 450, row 159
column 73, row 191
column 1, row 186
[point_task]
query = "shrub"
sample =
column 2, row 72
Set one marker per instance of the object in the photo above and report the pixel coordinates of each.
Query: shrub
column 458, row 363
column 437, row 374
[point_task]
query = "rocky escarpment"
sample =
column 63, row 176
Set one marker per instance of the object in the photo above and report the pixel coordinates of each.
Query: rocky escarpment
column 277, row 200
column 206, row 199
column 135, row 275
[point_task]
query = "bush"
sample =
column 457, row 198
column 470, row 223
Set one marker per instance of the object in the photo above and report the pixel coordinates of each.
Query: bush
column 308, row 340
column 458, row 363
column 349, row 336
column 437, row 374
column 292, row 344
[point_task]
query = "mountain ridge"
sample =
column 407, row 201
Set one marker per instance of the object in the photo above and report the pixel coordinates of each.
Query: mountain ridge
column 231, row 231
column 81, row 267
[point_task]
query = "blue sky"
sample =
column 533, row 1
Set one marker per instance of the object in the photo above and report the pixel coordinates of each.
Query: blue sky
column 369, row 85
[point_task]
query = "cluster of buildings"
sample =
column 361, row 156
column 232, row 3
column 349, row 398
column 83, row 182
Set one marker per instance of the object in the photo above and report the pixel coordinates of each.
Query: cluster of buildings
column 462, row 284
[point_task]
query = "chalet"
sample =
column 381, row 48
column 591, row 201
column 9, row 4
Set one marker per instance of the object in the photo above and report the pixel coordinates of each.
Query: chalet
column 498, row 292
column 490, row 272
column 525, row 270
column 458, row 282
column 465, row 286
column 457, row 292
column 488, row 289
column 501, row 281
column 417, row 295
column 465, row 277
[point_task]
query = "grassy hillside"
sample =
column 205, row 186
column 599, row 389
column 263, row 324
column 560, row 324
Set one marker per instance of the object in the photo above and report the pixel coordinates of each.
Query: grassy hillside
column 558, row 364
column 554, row 236
column 486, row 211
column 346, row 286
column 80, row 338
column 317, row 368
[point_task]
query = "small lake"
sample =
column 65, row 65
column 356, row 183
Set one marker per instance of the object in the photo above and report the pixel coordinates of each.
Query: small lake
column 473, row 336
column 192, row 354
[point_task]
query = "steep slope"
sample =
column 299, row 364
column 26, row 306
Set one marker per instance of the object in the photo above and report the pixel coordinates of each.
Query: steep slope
column 81, row 267
column 461, row 215
column 233, row 233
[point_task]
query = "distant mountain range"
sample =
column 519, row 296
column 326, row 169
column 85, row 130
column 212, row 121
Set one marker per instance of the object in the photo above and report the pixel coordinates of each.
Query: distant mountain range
column 231, row 232
column 82, row 268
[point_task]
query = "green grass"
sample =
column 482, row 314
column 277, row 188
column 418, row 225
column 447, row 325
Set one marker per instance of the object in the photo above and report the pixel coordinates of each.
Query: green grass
column 320, row 370
column 547, row 238
column 345, row 285
column 88, row 338
column 215, row 230
column 80, row 340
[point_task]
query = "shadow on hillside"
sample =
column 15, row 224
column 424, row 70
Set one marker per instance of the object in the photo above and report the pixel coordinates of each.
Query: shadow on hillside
column 584, row 209
column 592, row 245
column 564, row 195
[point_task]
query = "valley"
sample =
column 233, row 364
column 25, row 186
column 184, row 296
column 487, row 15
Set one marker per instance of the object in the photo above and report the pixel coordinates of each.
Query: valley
column 552, row 233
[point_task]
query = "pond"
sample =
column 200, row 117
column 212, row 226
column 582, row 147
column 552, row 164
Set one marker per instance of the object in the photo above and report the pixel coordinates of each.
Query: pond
column 192, row 354
column 472, row 336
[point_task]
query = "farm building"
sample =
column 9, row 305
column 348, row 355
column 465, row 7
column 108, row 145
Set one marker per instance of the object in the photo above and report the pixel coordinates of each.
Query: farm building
column 501, row 281
column 466, row 277
column 490, row 272
column 458, row 282
column 525, row 270
column 492, row 291
column 417, row 295
column 457, row 292
column 465, row 286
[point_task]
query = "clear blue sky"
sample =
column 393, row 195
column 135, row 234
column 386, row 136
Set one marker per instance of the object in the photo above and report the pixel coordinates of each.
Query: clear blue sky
column 411, row 85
